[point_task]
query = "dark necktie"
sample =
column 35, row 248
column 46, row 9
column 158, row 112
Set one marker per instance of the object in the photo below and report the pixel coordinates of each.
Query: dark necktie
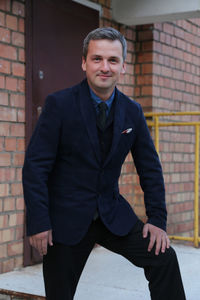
column 102, row 115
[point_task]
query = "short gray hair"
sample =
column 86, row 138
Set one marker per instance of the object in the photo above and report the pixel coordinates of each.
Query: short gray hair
column 105, row 33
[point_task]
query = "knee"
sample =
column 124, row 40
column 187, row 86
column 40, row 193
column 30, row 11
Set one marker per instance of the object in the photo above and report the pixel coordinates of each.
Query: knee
column 170, row 255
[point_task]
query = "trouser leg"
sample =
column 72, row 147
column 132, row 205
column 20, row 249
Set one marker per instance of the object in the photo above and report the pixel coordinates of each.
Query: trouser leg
column 161, row 271
column 62, row 268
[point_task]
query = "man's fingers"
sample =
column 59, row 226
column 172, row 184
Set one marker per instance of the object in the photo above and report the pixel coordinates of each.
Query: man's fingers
column 145, row 230
column 40, row 241
column 158, row 244
column 44, row 246
column 151, row 243
column 164, row 244
column 50, row 238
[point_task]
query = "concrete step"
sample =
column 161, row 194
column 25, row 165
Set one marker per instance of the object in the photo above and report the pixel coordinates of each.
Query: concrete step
column 106, row 276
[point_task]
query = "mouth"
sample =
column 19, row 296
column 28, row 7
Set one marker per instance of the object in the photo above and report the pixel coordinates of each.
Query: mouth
column 104, row 76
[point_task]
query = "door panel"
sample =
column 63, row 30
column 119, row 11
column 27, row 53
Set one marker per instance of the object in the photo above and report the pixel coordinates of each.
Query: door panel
column 55, row 31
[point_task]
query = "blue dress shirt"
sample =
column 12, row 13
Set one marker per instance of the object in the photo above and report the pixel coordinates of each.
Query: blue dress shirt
column 98, row 100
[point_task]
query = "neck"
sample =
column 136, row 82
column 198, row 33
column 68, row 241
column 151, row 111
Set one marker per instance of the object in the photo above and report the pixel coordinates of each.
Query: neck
column 102, row 94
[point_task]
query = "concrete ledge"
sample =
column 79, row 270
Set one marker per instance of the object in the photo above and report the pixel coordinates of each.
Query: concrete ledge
column 12, row 295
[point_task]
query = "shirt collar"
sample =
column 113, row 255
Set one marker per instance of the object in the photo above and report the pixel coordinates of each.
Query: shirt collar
column 98, row 100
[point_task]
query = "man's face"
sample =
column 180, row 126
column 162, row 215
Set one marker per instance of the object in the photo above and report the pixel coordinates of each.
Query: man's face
column 103, row 65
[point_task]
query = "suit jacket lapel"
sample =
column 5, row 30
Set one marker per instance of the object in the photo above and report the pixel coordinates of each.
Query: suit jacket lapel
column 119, row 114
column 89, row 117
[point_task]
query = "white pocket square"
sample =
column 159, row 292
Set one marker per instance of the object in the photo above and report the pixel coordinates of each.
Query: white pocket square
column 126, row 131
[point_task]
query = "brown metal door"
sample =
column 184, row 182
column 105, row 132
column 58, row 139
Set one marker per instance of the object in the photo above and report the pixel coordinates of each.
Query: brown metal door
column 54, row 34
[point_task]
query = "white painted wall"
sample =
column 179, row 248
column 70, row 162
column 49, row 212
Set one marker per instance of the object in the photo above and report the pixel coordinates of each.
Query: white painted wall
column 134, row 12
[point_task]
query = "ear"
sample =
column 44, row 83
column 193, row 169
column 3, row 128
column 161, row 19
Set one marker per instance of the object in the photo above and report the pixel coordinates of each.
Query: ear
column 83, row 63
column 123, row 68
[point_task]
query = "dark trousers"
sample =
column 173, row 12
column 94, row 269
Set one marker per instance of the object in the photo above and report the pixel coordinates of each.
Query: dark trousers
column 63, row 265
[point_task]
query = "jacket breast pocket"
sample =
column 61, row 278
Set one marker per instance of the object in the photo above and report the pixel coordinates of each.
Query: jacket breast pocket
column 127, row 140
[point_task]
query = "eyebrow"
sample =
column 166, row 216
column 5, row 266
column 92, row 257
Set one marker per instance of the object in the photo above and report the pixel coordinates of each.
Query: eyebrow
column 111, row 57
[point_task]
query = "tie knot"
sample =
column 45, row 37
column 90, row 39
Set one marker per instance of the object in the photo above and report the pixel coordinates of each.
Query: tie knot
column 102, row 107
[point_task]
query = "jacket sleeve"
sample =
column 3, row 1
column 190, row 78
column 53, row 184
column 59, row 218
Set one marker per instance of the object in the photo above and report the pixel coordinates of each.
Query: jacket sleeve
column 150, row 174
column 39, row 160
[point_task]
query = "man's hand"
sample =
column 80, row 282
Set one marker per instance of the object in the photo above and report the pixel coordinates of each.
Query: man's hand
column 157, row 236
column 40, row 241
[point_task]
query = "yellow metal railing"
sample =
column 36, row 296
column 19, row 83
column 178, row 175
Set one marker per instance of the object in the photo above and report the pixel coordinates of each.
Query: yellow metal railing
column 155, row 122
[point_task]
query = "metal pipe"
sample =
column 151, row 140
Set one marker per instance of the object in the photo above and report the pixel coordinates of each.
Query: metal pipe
column 196, row 188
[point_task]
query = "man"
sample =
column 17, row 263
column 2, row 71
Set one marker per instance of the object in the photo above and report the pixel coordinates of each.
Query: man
column 71, row 172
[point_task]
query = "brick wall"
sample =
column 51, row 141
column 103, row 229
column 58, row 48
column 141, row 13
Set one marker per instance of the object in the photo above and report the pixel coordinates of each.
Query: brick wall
column 176, row 88
column 12, row 105
column 167, row 79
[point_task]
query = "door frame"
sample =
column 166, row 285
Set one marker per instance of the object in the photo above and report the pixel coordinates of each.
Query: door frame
column 28, row 105
column 27, row 257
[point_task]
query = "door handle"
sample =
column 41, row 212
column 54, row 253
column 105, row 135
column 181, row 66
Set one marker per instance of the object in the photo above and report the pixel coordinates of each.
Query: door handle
column 39, row 110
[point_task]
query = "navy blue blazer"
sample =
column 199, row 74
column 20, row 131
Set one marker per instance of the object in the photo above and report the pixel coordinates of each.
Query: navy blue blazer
column 63, row 179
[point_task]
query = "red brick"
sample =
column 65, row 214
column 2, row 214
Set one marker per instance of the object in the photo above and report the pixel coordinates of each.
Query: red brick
column 20, row 218
column 4, row 129
column 4, row 66
column 8, row 52
column 15, row 248
column 18, row 69
column 130, row 46
column 4, row 35
column 21, row 25
column 18, row 159
column 2, row 82
column 5, row 5
column 147, row 68
column 11, row 84
column 3, row 251
column 145, row 57
column 106, row 13
column 9, row 204
column 3, row 98
column 2, row 19
column 19, row 232
column 18, row 130
column 8, row 265
column 5, row 159
column 17, row 100
column 18, row 261
column 128, row 90
column 20, row 203
column 21, row 86
column 10, row 144
column 145, row 35
column 21, row 145
column 1, row 144
column 3, row 221
column 7, row 174
column 19, row 174
column 16, row 189
column 21, row 55
column 4, row 189
column 8, row 114
column 147, row 46
column 18, row 39
column 21, row 115
column 144, row 80
column 7, row 235
column 146, row 90
column 11, row 22
column 18, row 9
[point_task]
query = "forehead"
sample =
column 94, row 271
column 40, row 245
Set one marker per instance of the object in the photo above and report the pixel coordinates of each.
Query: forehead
column 105, row 47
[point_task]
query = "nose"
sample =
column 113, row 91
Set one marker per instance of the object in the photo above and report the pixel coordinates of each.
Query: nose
column 105, row 66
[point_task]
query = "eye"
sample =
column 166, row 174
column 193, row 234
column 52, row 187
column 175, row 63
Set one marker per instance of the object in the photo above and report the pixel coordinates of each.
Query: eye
column 113, row 60
column 97, row 59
